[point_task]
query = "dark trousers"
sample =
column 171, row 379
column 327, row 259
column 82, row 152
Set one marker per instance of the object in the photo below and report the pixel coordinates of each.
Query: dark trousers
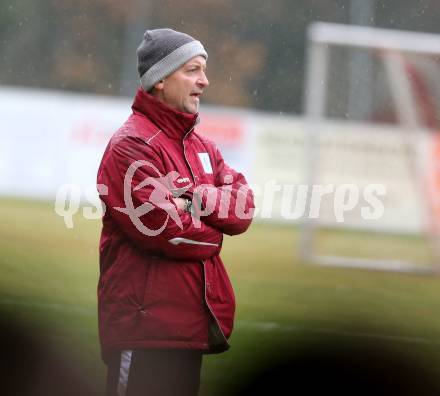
column 154, row 372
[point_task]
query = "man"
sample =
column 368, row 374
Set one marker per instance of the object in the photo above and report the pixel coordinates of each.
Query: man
column 164, row 297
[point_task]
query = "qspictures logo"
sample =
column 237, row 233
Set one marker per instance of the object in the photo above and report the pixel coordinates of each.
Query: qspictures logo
column 291, row 201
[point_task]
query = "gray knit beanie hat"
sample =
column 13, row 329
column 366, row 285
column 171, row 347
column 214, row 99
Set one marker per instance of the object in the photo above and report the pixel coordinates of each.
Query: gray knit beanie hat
column 162, row 52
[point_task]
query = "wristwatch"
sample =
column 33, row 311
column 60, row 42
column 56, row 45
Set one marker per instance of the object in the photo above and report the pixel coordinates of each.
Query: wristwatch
column 188, row 205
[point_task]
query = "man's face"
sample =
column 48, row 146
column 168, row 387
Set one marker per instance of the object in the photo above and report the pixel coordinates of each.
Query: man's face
column 182, row 89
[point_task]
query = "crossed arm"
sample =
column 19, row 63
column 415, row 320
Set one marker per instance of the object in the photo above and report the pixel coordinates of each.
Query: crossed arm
column 145, row 210
column 229, row 204
column 154, row 220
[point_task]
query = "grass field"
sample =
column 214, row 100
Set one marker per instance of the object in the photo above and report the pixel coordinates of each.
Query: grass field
column 49, row 275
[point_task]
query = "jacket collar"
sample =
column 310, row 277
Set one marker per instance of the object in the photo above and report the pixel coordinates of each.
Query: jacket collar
column 175, row 124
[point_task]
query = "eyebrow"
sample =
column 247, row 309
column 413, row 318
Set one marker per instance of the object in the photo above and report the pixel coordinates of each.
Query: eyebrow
column 203, row 66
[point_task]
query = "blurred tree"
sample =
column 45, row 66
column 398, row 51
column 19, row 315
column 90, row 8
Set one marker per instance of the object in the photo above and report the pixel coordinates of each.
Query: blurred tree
column 256, row 48
column 234, row 60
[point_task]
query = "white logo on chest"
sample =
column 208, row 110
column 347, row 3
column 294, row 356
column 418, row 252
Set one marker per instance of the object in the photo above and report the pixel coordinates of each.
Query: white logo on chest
column 206, row 162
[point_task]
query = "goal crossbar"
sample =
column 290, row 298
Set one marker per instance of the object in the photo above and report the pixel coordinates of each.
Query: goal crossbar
column 368, row 37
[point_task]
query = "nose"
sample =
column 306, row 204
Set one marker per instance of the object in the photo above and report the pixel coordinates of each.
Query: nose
column 203, row 80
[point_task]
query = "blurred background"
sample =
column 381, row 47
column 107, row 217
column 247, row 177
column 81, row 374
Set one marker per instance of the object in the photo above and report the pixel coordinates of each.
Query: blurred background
column 354, row 115
column 256, row 48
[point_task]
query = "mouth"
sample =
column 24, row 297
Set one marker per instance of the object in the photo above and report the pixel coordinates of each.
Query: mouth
column 196, row 95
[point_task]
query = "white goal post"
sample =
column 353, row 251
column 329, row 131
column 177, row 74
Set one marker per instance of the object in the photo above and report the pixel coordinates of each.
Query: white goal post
column 390, row 46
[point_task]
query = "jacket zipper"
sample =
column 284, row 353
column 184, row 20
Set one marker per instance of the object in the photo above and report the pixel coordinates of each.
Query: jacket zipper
column 184, row 151
column 203, row 261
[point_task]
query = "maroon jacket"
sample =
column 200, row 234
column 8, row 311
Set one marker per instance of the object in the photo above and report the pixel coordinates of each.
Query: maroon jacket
column 162, row 282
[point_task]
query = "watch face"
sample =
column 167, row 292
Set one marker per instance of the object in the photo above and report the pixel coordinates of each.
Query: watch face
column 188, row 206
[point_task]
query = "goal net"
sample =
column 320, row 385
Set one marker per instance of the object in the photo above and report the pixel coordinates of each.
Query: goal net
column 372, row 105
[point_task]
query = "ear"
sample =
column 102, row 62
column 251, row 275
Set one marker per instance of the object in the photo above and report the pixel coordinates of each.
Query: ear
column 159, row 85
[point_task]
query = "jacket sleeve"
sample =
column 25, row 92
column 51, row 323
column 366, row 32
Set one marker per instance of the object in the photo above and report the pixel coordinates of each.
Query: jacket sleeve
column 138, row 198
column 229, row 205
